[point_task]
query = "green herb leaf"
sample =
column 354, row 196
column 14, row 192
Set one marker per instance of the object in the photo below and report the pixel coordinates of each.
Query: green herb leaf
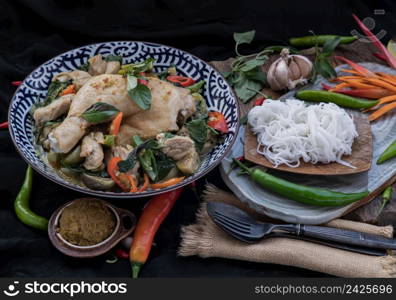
column 246, row 88
column 141, row 95
column 164, row 165
column 330, row 45
column 251, row 64
column 198, row 131
column 112, row 57
column 54, row 89
column 148, row 163
column 324, row 68
column 256, row 74
column 100, row 112
column 244, row 37
column 131, row 82
column 136, row 68
column 130, row 161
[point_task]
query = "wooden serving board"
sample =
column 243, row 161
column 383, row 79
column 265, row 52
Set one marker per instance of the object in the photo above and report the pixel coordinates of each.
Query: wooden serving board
column 358, row 52
column 362, row 149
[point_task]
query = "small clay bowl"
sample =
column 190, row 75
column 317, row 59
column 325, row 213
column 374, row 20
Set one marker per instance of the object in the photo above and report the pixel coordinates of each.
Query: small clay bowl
column 120, row 232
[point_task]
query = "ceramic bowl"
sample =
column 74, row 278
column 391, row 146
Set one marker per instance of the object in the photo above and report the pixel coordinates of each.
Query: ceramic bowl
column 218, row 94
column 120, row 232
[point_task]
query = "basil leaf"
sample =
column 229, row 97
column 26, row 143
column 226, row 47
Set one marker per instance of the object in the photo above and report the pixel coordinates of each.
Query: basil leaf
column 131, row 82
column 330, row 45
column 148, row 163
column 246, row 88
column 256, row 74
column 136, row 68
column 54, row 89
column 130, row 161
column 244, row 37
column 113, row 57
column 324, row 68
column 100, row 112
column 253, row 63
column 164, row 165
column 141, row 95
column 198, row 131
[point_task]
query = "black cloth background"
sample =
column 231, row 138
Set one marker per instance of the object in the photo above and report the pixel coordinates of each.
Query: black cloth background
column 32, row 32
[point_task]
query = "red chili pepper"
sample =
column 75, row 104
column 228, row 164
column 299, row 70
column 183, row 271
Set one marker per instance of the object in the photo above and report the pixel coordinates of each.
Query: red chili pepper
column 259, row 101
column 379, row 56
column 217, row 121
column 183, row 81
column 152, row 217
column 4, row 125
column 120, row 253
column 240, row 158
column 389, row 58
column 142, row 81
column 16, row 83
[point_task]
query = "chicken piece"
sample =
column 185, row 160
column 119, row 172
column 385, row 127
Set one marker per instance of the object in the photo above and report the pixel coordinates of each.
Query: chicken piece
column 108, row 88
column 177, row 147
column 92, row 150
column 167, row 101
column 182, row 150
column 112, row 67
column 78, row 77
column 97, row 65
column 190, row 163
column 122, row 151
column 53, row 110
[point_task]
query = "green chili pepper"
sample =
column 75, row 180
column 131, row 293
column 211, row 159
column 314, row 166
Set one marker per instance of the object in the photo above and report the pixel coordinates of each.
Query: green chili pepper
column 386, row 196
column 195, row 88
column 300, row 193
column 21, row 204
column 312, row 40
column 339, row 99
column 389, row 153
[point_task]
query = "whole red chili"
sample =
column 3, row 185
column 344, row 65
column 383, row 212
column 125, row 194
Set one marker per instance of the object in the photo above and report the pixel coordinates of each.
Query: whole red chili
column 183, row 81
column 4, row 125
column 152, row 217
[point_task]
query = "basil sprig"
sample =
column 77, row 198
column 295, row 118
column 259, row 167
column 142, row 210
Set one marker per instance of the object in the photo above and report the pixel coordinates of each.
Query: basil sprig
column 100, row 112
column 139, row 92
column 322, row 65
column 246, row 76
column 130, row 161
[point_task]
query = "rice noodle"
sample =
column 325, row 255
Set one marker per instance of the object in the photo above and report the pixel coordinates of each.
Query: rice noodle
column 291, row 130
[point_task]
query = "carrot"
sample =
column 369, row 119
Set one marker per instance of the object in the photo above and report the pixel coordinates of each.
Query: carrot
column 382, row 100
column 169, row 182
column 380, row 83
column 145, row 183
column 361, row 70
column 112, row 169
column 383, row 110
column 338, row 87
column 115, row 124
column 358, row 84
column 349, row 71
column 70, row 89
column 132, row 181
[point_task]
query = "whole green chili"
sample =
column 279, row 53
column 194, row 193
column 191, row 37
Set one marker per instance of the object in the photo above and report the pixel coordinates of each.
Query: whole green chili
column 21, row 204
column 300, row 193
column 339, row 99
column 389, row 153
column 312, row 40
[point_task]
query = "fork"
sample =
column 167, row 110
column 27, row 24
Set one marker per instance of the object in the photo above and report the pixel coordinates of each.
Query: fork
column 239, row 224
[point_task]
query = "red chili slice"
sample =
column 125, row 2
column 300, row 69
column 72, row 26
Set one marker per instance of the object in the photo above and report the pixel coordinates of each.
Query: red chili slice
column 217, row 121
column 183, row 81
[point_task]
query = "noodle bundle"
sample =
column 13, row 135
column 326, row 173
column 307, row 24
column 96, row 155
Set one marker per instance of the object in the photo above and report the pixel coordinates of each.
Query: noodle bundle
column 291, row 130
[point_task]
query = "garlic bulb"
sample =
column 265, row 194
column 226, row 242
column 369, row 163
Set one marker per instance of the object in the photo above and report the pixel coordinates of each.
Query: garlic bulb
column 288, row 71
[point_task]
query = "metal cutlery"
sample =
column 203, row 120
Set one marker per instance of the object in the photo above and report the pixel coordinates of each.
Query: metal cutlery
column 242, row 226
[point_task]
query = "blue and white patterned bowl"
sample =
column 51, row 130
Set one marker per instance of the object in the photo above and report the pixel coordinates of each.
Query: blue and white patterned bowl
column 218, row 94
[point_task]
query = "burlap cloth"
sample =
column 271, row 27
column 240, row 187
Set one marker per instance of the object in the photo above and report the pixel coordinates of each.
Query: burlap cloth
column 205, row 239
